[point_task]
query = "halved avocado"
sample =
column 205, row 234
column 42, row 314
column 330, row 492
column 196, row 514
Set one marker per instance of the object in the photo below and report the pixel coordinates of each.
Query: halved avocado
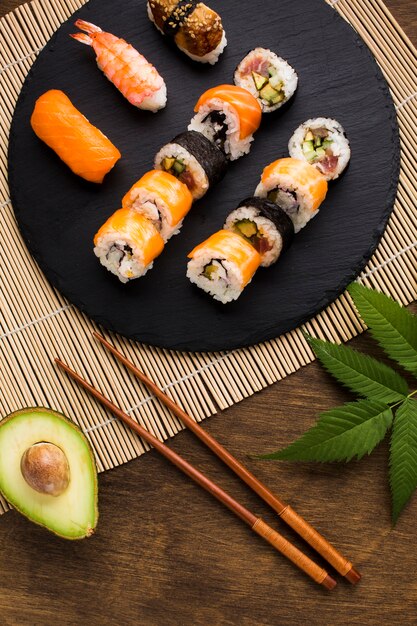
column 48, row 473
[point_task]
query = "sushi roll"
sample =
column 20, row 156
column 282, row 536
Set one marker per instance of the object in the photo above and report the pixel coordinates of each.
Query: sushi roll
column 268, row 77
column 228, row 116
column 127, row 244
column 264, row 225
column 295, row 186
column 196, row 29
column 82, row 146
column 194, row 160
column 223, row 265
column 161, row 198
column 322, row 142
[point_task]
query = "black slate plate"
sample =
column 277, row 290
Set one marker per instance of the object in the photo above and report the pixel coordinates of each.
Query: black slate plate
column 58, row 213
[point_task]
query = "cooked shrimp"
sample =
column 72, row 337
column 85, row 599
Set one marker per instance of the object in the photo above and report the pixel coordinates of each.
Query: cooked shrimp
column 125, row 67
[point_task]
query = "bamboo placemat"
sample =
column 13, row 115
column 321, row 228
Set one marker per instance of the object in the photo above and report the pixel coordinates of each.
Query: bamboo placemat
column 37, row 324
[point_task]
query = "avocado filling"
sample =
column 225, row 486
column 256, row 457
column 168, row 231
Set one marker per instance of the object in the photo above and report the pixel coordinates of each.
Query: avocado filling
column 317, row 145
column 177, row 167
column 285, row 199
column 250, row 231
column 269, row 86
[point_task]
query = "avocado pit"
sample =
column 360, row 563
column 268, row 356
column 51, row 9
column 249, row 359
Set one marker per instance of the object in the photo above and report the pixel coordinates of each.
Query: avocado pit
column 45, row 468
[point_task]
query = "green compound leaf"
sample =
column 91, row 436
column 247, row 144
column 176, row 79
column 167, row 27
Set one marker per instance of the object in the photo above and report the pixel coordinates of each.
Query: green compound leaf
column 348, row 431
column 360, row 372
column 391, row 325
column 403, row 456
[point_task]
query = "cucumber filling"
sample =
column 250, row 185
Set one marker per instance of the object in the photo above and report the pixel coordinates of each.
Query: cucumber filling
column 316, row 145
column 215, row 270
column 270, row 88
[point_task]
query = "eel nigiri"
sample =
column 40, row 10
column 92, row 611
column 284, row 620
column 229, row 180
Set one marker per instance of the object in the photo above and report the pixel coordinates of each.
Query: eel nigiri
column 162, row 198
column 227, row 115
column 196, row 29
column 82, row 146
column 125, row 67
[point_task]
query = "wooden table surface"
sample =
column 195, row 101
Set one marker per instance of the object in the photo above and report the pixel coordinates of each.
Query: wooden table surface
column 167, row 554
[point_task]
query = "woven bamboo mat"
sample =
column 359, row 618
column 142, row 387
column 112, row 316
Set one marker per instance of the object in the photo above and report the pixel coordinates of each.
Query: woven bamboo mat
column 37, row 324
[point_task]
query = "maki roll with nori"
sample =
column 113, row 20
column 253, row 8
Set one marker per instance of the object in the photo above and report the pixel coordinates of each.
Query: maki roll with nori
column 196, row 29
column 194, row 160
column 223, row 265
column 268, row 77
column 228, row 116
column 127, row 244
column 295, row 186
column 161, row 198
column 322, row 142
column 264, row 225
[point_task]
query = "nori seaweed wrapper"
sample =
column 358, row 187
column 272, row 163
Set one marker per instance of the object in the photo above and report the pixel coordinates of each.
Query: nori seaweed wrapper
column 183, row 9
column 211, row 159
column 274, row 214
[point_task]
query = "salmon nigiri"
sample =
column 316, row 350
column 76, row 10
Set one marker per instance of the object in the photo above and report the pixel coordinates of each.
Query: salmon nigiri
column 125, row 67
column 228, row 115
column 82, row 146
column 162, row 198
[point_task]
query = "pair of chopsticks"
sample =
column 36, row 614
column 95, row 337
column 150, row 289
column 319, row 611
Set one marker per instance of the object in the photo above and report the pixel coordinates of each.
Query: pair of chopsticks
column 295, row 521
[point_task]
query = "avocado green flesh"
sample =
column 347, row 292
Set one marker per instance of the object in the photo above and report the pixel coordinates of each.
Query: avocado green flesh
column 246, row 227
column 73, row 514
column 270, row 88
column 315, row 147
column 209, row 270
column 173, row 166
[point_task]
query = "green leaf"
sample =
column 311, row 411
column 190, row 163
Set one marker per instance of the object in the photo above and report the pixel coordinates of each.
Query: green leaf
column 393, row 327
column 340, row 434
column 403, row 456
column 360, row 372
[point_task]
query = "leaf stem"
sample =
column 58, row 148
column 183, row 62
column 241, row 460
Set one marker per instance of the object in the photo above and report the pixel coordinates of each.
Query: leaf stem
column 412, row 393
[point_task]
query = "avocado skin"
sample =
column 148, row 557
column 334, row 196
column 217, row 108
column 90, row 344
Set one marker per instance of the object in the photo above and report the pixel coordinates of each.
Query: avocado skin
column 61, row 416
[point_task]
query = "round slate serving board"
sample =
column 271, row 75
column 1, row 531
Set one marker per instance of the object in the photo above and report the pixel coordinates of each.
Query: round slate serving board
column 58, row 213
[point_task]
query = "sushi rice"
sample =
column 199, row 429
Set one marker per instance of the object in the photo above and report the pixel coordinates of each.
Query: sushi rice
column 200, row 179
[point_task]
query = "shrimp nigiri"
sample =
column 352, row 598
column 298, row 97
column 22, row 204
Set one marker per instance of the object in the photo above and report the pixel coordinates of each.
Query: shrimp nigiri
column 125, row 67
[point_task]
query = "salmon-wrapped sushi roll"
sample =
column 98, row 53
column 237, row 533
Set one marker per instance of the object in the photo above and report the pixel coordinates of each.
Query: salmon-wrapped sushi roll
column 223, row 265
column 196, row 29
column 228, row 116
column 295, row 186
column 161, row 198
column 82, row 146
column 127, row 244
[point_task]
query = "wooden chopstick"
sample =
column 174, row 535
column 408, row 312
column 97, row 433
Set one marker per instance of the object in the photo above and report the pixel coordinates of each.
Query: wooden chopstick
column 291, row 517
column 279, row 542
